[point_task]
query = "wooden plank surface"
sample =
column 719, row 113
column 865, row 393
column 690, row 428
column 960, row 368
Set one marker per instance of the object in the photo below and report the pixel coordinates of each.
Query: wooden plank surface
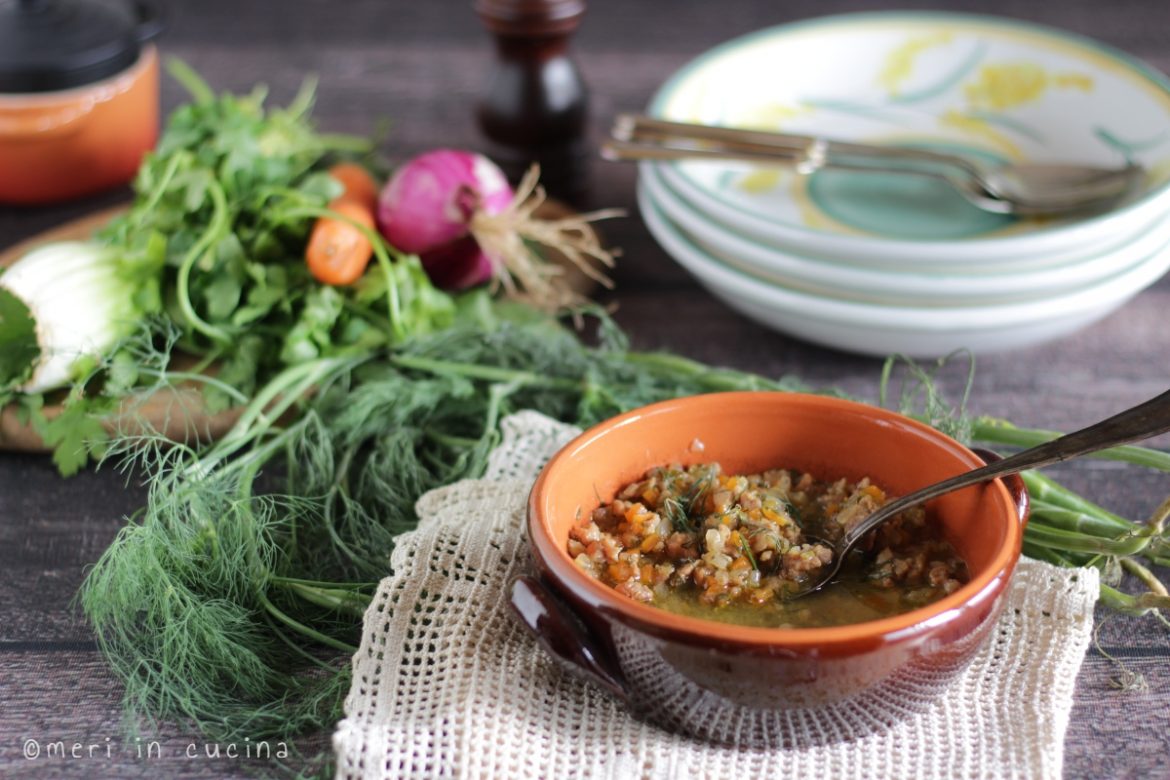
column 421, row 65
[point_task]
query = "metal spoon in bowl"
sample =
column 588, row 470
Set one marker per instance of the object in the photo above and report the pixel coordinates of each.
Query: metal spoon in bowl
column 1140, row 422
column 1024, row 189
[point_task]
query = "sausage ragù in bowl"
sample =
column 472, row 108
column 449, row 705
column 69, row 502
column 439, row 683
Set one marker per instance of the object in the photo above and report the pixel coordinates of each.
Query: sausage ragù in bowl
column 622, row 518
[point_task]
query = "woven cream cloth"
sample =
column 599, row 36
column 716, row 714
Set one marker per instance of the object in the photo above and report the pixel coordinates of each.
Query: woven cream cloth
column 447, row 685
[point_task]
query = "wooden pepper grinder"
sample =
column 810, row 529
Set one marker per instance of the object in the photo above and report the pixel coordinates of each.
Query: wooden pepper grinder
column 535, row 108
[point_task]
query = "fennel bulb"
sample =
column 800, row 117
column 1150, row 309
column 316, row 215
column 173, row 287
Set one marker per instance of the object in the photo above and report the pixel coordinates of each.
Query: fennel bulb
column 63, row 307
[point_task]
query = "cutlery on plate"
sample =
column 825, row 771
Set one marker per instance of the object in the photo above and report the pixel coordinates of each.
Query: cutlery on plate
column 1023, row 189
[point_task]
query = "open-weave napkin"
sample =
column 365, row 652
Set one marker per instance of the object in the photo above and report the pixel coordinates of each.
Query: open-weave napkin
column 446, row 683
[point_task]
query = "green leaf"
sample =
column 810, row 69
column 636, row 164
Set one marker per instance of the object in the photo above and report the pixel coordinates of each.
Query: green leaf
column 18, row 341
column 122, row 374
column 360, row 334
column 262, row 297
column 313, row 332
column 223, row 296
column 238, row 369
column 321, row 186
column 74, row 435
column 426, row 308
column 196, row 191
column 230, row 252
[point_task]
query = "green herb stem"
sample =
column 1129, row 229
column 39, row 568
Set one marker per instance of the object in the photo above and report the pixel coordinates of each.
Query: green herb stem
column 994, row 431
column 273, row 400
column 1147, row 577
column 1041, row 552
column 219, row 224
column 1131, row 604
column 337, row 599
column 1049, row 492
column 1074, row 541
column 667, row 363
column 203, row 379
column 159, row 188
column 675, row 365
column 301, row 628
column 448, row 440
column 192, row 82
column 484, row 372
column 1074, row 520
column 340, row 142
column 1157, row 521
column 348, row 586
column 393, row 300
column 301, row 652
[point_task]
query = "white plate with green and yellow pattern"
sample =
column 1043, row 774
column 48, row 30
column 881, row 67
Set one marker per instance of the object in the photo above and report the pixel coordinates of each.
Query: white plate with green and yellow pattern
column 934, row 287
column 997, row 88
column 880, row 329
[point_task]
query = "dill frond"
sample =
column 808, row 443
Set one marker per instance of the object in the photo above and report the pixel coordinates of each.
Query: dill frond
column 920, row 393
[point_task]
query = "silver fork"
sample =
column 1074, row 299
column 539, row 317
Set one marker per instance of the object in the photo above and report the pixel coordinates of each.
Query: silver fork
column 1024, row 189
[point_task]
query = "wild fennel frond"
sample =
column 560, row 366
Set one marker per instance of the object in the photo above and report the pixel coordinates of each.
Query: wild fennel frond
column 231, row 600
column 920, row 393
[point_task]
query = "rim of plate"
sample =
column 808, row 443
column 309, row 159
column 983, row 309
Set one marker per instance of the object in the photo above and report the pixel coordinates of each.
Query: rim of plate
column 793, row 268
column 951, row 318
column 1140, row 68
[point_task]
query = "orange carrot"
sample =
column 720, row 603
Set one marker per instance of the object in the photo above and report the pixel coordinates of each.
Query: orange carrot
column 358, row 183
column 338, row 252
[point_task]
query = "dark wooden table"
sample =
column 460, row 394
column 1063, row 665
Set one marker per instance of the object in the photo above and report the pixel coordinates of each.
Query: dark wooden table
column 421, row 65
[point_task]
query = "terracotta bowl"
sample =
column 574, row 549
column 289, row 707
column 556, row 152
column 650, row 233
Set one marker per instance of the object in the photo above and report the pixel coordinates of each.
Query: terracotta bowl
column 761, row 686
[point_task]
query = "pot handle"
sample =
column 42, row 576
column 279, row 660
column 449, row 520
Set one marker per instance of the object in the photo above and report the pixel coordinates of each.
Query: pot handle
column 563, row 635
column 1014, row 484
column 151, row 20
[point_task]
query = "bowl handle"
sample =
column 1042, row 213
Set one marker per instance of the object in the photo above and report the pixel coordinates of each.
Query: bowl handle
column 563, row 635
column 1014, row 484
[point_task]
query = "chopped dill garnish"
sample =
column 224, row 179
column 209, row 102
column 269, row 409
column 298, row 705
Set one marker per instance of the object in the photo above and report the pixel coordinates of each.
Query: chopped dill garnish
column 676, row 514
column 698, row 492
column 747, row 550
column 683, row 511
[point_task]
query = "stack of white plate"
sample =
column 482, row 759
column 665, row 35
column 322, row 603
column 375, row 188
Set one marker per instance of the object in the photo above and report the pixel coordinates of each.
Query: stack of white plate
column 878, row 263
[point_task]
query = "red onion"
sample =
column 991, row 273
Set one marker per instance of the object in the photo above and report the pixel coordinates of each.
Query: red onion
column 455, row 210
column 427, row 207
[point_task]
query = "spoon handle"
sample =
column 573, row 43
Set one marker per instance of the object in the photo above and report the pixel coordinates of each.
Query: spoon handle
column 1140, row 422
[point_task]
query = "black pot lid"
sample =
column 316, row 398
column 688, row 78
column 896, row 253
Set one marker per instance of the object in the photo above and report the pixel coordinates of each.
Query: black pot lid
column 48, row 45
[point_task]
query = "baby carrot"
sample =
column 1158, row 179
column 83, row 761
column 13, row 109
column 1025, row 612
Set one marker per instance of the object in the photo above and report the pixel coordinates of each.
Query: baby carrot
column 358, row 183
column 338, row 252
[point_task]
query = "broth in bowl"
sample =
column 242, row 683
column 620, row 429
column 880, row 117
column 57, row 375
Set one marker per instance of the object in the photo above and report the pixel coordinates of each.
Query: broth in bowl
column 736, row 547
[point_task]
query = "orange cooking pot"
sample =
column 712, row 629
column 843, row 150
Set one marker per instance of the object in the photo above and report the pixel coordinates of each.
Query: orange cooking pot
column 79, row 96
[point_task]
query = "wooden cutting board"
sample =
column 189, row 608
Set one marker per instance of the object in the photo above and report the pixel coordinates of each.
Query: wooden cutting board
column 179, row 413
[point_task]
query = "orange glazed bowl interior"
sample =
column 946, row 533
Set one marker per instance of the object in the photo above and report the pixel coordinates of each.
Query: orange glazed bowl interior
column 752, row 432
